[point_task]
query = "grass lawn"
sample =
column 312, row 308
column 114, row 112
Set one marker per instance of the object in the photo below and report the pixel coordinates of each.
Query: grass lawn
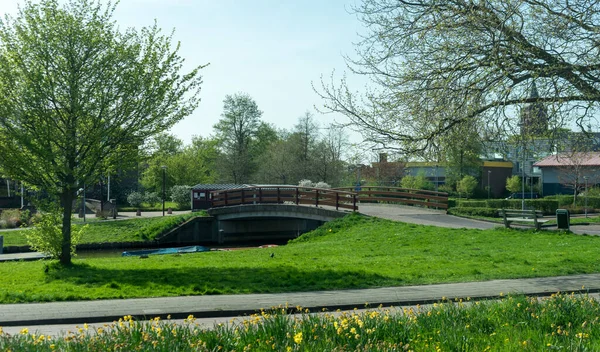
column 353, row 252
column 103, row 231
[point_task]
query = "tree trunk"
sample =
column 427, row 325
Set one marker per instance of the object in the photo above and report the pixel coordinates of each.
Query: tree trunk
column 67, row 203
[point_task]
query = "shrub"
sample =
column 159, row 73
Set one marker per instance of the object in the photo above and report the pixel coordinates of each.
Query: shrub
column 152, row 198
column 473, row 204
column 135, row 199
column 11, row 218
column 25, row 217
column 306, row 183
column 474, row 211
column 498, row 203
column 181, row 195
column 46, row 234
column 322, row 184
column 466, row 186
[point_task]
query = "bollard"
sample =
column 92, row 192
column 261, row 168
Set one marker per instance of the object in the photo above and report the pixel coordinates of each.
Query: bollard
column 1, row 244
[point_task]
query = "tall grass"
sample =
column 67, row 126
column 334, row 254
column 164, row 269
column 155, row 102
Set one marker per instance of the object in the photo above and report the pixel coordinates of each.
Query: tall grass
column 562, row 322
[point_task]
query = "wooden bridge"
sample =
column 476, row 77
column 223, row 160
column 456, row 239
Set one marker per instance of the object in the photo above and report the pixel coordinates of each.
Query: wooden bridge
column 420, row 197
column 285, row 195
column 340, row 198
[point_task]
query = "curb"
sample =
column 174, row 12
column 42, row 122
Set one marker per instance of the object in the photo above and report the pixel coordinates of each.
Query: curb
column 290, row 310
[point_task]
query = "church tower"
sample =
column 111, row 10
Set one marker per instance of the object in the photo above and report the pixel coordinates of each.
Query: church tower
column 534, row 117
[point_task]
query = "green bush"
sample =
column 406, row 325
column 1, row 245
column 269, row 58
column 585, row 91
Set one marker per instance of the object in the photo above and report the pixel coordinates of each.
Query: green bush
column 472, row 204
column 46, row 235
column 135, row 199
column 498, row 203
column 152, row 198
column 181, row 195
column 545, row 205
column 474, row 211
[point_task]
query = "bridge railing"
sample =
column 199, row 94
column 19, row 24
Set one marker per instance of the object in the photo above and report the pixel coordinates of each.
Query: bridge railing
column 285, row 194
column 430, row 199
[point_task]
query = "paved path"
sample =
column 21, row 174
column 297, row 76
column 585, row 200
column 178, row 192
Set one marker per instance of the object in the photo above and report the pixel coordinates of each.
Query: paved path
column 237, row 305
column 22, row 256
column 422, row 216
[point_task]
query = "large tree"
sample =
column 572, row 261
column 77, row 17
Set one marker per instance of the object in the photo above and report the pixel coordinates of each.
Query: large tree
column 436, row 64
column 236, row 132
column 74, row 88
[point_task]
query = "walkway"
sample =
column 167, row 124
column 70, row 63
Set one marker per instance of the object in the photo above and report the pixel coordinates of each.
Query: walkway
column 422, row 216
column 239, row 305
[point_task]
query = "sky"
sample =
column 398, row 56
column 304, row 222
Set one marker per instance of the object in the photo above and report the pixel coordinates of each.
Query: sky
column 273, row 50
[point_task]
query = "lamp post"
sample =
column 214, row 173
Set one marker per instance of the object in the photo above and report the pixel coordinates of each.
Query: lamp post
column 489, row 189
column 585, row 178
column 164, row 168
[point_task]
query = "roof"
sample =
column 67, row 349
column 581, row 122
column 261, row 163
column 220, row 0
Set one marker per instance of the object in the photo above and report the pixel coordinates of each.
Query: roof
column 216, row 186
column 581, row 159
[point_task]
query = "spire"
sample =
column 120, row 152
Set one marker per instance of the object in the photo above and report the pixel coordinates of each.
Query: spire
column 534, row 92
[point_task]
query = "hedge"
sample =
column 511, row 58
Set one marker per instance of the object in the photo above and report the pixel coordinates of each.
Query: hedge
column 547, row 206
column 474, row 211
column 567, row 201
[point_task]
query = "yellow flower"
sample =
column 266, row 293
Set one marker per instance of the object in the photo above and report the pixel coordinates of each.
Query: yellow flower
column 298, row 338
column 85, row 326
column 289, row 349
column 25, row 331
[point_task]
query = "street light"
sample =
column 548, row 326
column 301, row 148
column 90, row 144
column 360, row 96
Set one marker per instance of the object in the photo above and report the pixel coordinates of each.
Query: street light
column 523, row 179
column 164, row 168
column 489, row 173
column 585, row 178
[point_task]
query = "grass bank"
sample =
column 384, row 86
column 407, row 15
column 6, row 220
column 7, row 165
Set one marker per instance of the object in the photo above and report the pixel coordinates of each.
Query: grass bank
column 562, row 322
column 353, row 252
column 105, row 231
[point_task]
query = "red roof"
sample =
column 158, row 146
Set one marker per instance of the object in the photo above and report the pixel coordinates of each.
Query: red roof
column 582, row 159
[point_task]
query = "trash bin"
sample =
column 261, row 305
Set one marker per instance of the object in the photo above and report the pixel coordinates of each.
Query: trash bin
column 563, row 219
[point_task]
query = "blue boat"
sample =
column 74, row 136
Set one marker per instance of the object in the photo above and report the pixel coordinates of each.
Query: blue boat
column 159, row 251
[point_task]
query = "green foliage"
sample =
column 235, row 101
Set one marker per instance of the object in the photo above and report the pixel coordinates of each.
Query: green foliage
column 513, row 184
column 415, row 182
column 109, row 90
column 151, row 198
column 547, row 206
column 135, row 199
column 566, row 201
column 11, row 218
column 237, row 132
column 467, row 185
column 474, row 211
column 181, row 195
column 46, row 235
column 472, row 203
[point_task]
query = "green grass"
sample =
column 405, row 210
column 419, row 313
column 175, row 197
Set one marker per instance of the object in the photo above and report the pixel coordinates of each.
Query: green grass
column 105, row 231
column 353, row 252
column 567, row 323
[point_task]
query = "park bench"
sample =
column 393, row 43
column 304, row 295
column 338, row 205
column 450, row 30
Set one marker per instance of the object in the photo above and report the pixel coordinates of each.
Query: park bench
column 525, row 216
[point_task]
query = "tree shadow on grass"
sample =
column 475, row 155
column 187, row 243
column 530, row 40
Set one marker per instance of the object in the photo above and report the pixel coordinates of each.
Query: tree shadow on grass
column 199, row 281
